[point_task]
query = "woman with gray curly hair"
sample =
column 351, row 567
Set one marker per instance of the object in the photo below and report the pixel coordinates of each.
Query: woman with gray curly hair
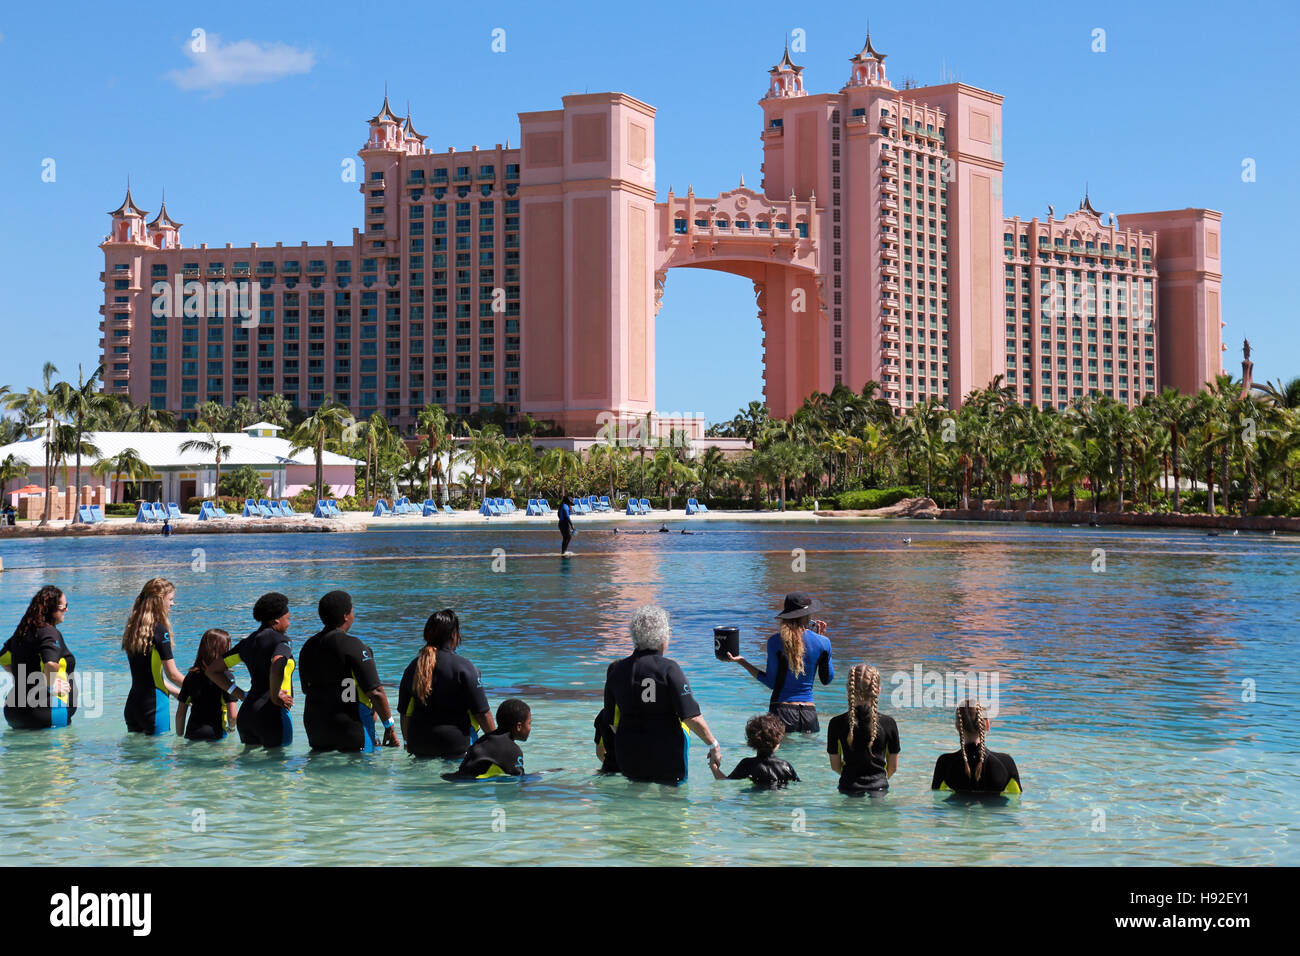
column 641, row 732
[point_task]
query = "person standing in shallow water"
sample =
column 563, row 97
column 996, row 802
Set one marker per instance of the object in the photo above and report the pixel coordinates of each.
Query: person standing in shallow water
column 797, row 653
column 566, row 523
column 42, row 695
column 974, row 768
column 264, row 718
column 155, row 678
column 862, row 743
column 441, row 700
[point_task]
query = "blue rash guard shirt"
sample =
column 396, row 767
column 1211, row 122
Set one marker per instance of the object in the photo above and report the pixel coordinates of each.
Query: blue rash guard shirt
column 786, row 687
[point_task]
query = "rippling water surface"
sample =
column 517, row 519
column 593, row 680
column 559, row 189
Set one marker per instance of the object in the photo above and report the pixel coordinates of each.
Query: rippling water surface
column 1151, row 706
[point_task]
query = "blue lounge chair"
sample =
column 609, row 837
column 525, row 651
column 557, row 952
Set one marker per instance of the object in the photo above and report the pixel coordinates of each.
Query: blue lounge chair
column 96, row 514
column 205, row 511
column 691, row 507
column 645, row 506
column 604, row 503
column 84, row 515
column 381, row 508
column 632, row 507
column 322, row 509
column 489, row 508
column 173, row 511
column 250, row 509
column 704, row 509
column 430, row 508
column 334, row 508
column 532, row 510
column 268, row 510
column 145, row 514
column 219, row 511
column 447, row 509
column 546, row 506
column 286, row 509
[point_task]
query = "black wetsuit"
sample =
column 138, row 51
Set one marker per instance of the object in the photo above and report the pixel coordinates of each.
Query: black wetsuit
column 566, row 527
column 648, row 696
column 262, row 721
column 337, row 673
column 863, row 770
column 147, row 708
column 30, row 705
column 605, row 737
column 493, row 755
column 206, row 717
column 447, row 723
column 999, row 775
column 765, row 772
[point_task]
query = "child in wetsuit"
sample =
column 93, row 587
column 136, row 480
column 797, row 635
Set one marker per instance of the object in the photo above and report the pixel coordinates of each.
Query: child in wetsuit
column 210, row 709
column 496, row 754
column 973, row 768
column 765, row 770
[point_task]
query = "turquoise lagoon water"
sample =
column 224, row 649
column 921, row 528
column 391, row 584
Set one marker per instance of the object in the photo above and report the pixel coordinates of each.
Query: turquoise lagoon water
column 1125, row 696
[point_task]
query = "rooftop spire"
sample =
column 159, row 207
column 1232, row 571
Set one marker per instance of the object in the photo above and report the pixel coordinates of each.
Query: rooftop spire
column 786, row 63
column 128, row 207
column 162, row 219
column 385, row 114
column 1086, row 204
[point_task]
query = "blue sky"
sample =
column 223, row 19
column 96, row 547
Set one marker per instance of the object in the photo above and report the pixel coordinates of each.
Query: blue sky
column 1163, row 119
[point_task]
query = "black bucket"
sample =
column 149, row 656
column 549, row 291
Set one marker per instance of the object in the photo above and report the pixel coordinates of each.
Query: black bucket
column 726, row 640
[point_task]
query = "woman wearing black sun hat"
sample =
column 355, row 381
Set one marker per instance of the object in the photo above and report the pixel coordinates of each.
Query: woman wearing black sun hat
column 794, row 654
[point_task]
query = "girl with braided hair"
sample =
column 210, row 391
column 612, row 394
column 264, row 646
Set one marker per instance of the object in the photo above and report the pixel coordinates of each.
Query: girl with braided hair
column 862, row 742
column 974, row 768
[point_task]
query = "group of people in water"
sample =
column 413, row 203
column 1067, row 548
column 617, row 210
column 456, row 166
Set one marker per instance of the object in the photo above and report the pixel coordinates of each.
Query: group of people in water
column 642, row 729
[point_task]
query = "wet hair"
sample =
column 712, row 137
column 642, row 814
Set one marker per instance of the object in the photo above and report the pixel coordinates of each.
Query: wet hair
column 864, row 694
column 334, row 607
column 440, row 629
column 213, row 646
column 792, row 642
column 970, row 730
column 148, row 614
column 270, row 607
column 512, row 713
column 40, row 611
column 764, row 733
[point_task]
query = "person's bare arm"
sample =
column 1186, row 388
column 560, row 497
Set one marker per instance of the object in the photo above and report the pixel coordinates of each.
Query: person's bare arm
column 486, row 722
column 700, row 727
column 172, row 677
column 181, row 708
column 891, row 765
column 836, row 763
column 380, row 700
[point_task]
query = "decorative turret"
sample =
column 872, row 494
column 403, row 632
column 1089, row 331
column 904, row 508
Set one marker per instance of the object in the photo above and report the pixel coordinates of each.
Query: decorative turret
column 386, row 129
column 1086, row 206
column 414, row 141
column 787, row 78
column 128, row 221
column 869, row 67
column 164, row 231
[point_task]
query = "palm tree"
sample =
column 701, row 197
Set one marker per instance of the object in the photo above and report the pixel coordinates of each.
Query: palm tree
column 212, row 445
column 560, row 464
column 150, row 419
column 1285, row 394
column 321, row 431
column 34, row 405
column 275, row 410
column 669, row 473
column 83, row 403
column 432, row 420
column 125, row 464
column 11, row 469
column 67, row 443
column 711, row 466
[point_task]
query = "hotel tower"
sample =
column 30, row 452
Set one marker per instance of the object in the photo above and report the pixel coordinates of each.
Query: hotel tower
column 527, row 279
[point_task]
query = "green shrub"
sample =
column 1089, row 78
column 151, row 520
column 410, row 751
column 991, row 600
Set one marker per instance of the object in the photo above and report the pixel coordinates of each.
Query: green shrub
column 244, row 482
column 231, row 505
column 122, row 509
column 869, row 498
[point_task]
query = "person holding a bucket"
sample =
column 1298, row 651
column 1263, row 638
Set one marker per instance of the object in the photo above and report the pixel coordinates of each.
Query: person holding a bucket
column 795, row 654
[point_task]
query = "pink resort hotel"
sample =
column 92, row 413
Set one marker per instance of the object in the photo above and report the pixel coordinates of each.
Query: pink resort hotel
column 527, row 279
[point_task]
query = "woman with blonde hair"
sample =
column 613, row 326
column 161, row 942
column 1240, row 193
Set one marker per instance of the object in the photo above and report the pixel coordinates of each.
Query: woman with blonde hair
column 794, row 655
column 148, row 645
column 863, row 743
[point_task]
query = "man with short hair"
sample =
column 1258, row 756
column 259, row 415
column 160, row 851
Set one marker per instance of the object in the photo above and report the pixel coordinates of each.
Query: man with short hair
column 338, row 676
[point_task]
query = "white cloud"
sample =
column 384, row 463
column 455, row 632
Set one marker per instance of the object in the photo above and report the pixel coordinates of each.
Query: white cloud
column 243, row 62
